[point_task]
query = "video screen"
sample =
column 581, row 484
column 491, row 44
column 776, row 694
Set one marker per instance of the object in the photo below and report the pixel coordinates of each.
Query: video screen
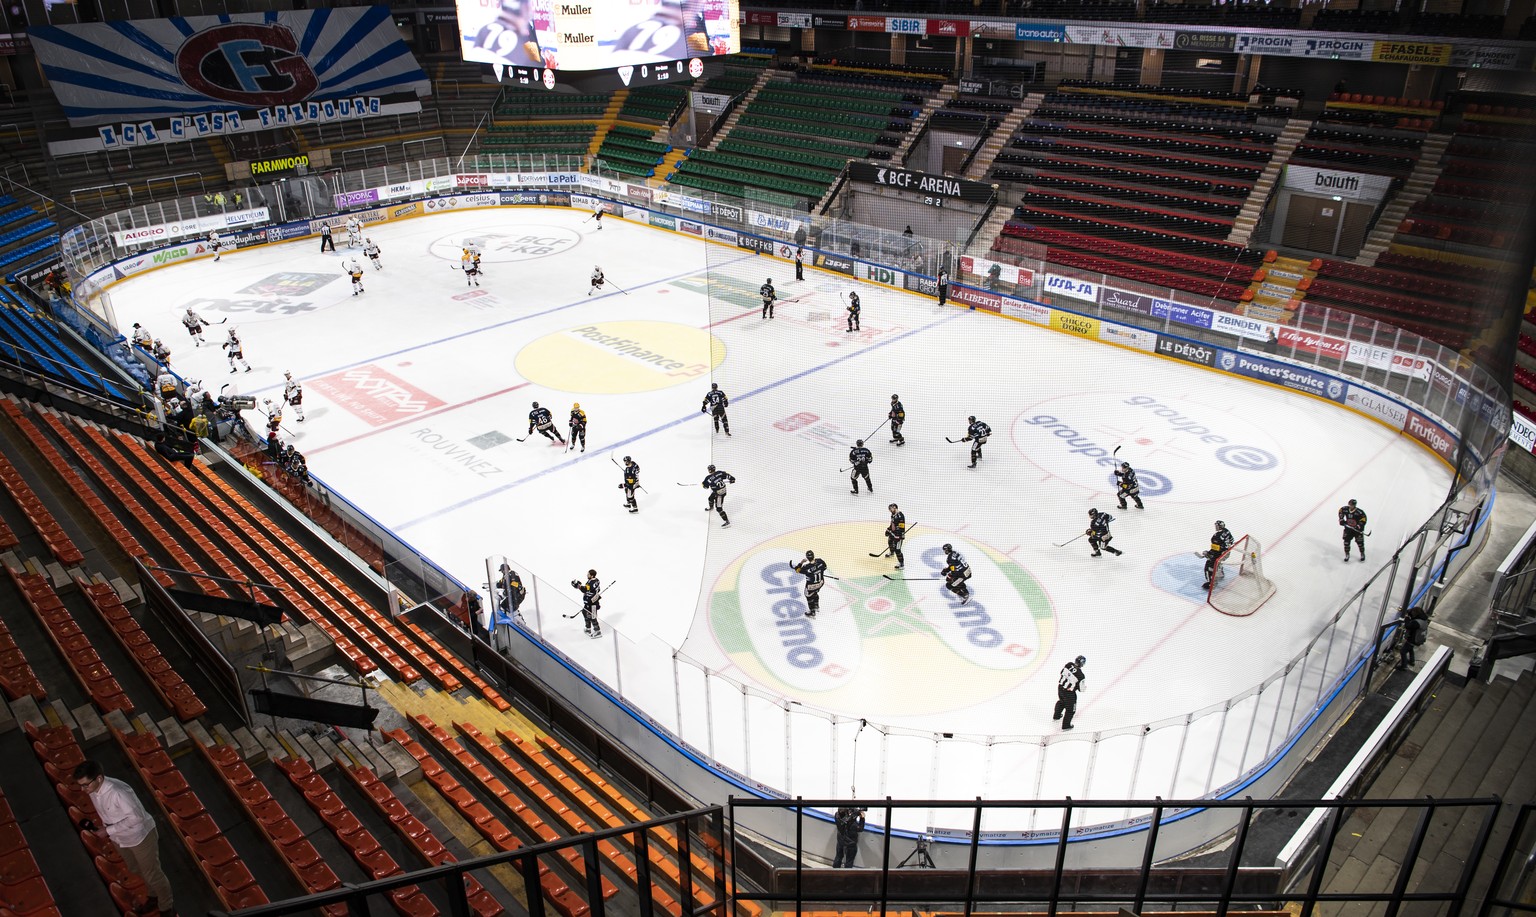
column 596, row 34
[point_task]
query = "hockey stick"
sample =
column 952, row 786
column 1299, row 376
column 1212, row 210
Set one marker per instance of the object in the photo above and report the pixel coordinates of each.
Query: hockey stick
column 908, row 579
column 619, row 288
column 1068, row 541
column 877, row 429
column 948, row 440
column 219, row 322
column 887, row 551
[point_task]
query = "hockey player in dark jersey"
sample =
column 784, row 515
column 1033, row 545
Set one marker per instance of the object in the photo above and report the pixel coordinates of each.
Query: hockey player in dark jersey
column 814, row 570
column 853, row 312
column 860, row 457
column 1098, row 533
column 895, row 534
column 540, row 419
column 715, row 404
column 1126, row 485
column 976, row 434
column 715, row 482
column 578, row 425
column 1352, row 520
column 770, row 295
column 631, row 483
column 1069, row 684
column 591, row 603
column 956, row 572
column 898, row 416
column 1221, row 540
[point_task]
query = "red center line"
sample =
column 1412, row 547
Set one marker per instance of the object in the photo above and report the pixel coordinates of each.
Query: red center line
column 1201, row 607
column 442, row 410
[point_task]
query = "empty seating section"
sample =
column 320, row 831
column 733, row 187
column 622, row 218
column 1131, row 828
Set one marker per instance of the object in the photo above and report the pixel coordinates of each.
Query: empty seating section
column 557, row 893
column 14, row 258
column 415, row 833
column 22, row 889
column 359, row 841
column 189, row 820
column 1367, row 110
column 653, row 103
column 570, row 821
column 1333, row 147
column 167, row 683
column 532, row 824
column 563, row 139
column 629, row 150
column 1225, row 278
column 528, row 103
column 37, row 344
column 17, row 677
column 276, row 827
column 64, row 632
column 1469, row 205
column 60, row 545
column 462, row 669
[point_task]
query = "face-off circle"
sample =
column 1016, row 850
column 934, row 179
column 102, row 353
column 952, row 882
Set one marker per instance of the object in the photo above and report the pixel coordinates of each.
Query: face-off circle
column 1181, row 450
column 613, row 358
column 877, row 646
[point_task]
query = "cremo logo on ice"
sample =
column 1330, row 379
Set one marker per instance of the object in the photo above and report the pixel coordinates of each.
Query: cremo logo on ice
column 880, row 647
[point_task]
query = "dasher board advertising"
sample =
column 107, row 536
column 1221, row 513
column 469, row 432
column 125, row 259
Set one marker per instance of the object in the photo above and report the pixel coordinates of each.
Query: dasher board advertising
column 596, row 34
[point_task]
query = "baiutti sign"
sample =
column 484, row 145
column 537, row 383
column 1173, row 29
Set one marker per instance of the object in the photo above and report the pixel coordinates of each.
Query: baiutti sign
column 1361, row 186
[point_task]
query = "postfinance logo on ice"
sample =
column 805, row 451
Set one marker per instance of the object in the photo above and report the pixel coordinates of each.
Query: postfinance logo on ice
column 1180, row 449
column 878, row 646
column 611, row 358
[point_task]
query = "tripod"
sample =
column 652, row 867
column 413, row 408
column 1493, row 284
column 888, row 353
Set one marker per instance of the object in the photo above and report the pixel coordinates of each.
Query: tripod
column 920, row 855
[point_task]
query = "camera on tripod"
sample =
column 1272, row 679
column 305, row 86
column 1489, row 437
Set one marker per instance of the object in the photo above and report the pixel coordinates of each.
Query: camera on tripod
column 237, row 402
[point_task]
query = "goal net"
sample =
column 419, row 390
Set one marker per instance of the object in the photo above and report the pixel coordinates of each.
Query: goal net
column 1240, row 587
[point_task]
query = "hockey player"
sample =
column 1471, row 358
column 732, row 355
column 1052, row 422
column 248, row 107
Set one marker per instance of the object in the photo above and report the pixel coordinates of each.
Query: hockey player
column 815, row 572
column 371, row 249
column 578, row 424
column 715, row 404
column 631, row 483
column 976, row 434
column 1221, row 540
column 160, row 352
column 799, row 264
column 215, row 244
column 591, row 602
column 715, row 482
column 195, row 393
column 1352, row 519
column 1126, row 485
column 165, row 384
column 956, row 572
column 195, row 325
column 293, row 394
column 510, row 590
column 597, row 280
column 141, row 336
column 470, row 263
column 770, row 295
column 597, row 217
column 860, row 457
column 898, row 416
column 354, row 269
column 540, row 419
column 1068, row 685
column 274, row 419
column 354, row 232
column 326, row 242
column 1098, row 533
column 853, row 313
column 896, row 534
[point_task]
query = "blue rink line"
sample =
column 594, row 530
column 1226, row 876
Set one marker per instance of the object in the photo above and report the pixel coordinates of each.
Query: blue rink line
column 670, row 424
column 511, row 321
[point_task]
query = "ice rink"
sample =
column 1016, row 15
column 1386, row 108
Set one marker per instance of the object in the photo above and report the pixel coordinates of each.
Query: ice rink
column 417, row 390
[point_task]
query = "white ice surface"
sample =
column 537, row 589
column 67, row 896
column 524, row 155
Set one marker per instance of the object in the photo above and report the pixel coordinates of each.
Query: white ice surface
column 1270, row 463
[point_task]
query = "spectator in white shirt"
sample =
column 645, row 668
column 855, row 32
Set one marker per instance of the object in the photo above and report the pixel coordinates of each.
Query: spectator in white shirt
column 127, row 824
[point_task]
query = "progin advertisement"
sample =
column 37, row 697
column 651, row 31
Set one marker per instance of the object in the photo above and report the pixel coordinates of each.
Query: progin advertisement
column 596, row 34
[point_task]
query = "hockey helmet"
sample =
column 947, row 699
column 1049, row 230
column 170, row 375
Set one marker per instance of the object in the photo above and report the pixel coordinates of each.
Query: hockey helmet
column 288, row 374
column 575, row 405
column 591, row 574
column 626, row 458
column 1093, row 512
column 714, row 386
column 597, row 268
column 1351, row 503
column 770, row 280
column 137, row 325
column 858, row 442
column 893, row 507
column 1126, row 465
column 1220, row 524
column 1081, row 661
column 535, row 404
column 895, row 397
column 810, row 555
column 711, row 467
column 949, row 549
column 971, row 418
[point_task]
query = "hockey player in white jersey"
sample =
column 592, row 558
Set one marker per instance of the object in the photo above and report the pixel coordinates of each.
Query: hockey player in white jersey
column 470, row 263
column 215, row 243
column 597, row 280
column 293, row 394
column 195, row 324
column 354, row 269
column 235, row 350
column 371, row 249
column 354, row 232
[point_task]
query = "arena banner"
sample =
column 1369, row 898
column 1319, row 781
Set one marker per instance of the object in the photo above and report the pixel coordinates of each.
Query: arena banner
column 1071, row 288
column 953, row 28
column 1432, row 435
column 1120, row 36
column 1523, row 432
column 979, row 299
column 1293, row 377
column 1081, row 325
column 164, row 232
column 1127, row 336
column 1369, row 401
column 1186, row 350
column 104, row 72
